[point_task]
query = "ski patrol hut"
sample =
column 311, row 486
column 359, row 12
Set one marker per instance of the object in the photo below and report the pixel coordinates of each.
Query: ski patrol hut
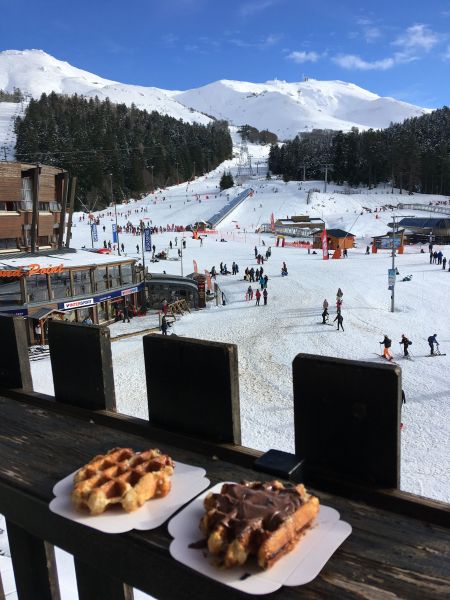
column 337, row 238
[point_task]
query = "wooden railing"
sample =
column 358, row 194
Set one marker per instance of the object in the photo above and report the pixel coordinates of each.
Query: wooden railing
column 347, row 449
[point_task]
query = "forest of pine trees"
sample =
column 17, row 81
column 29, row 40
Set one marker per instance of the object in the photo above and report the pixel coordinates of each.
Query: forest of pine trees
column 413, row 156
column 92, row 138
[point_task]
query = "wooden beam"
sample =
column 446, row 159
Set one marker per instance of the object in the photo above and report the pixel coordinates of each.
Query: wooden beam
column 73, row 187
column 31, row 571
column 82, row 365
column 93, row 585
column 14, row 362
column 178, row 398
column 62, row 219
column 35, row 215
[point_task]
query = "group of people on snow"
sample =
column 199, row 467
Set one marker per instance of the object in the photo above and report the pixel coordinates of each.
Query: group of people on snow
column 339, row 318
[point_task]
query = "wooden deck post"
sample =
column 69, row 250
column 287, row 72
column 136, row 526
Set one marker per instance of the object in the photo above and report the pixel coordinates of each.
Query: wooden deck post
column 82, row 365
column 14, row 362
column 347, row 419
column 193, row 387
column 35, row 575
column 94, row 585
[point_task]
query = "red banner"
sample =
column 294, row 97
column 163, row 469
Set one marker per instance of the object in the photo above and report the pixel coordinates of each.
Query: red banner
column 208, row 280
column 272, row 223
column 324, row 239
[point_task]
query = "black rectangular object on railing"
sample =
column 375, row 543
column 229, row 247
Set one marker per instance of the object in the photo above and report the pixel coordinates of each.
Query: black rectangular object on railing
column 82, row 365
column 347, row 419
column 193, row 387
column 14, row 362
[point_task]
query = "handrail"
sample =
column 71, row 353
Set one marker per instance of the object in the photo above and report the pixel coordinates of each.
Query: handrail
column 432, row 208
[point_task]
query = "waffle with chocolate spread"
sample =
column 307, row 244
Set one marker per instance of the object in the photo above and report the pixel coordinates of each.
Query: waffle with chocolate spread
column 265, row 520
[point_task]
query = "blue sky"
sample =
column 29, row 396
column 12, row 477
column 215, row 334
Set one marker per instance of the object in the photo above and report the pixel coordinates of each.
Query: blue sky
column 398, row 48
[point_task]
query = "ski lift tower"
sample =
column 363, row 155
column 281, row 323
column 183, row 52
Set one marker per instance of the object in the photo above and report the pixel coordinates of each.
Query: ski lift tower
column 245, row 162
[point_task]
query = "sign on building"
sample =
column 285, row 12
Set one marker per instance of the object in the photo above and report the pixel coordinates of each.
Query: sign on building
column 94, row 232
column 114, row 234
column 148, row 239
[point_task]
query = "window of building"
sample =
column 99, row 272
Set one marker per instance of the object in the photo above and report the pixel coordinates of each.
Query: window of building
column 37, row 289
column 81, row 283
column 44, row 206
column 6, row 243
column 101, row 280
column 114, row 277
column 127, row 274
column 10, row 291
column 60, row 285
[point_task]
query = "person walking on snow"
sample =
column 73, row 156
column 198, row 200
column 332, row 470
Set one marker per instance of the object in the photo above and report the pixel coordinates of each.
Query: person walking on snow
column 258, row 297
column 444, row 262
column 405, row 343
column 340, row 319
column 256, row 251
column 164, row 325
column 325, row 316
column 387, row 343
column 265, row 296
column 261, row 282
column 432, row 341
column 250, row 292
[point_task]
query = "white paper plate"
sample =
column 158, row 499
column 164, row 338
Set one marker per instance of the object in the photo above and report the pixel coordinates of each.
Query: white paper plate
column 298, row 567
column 187, row 482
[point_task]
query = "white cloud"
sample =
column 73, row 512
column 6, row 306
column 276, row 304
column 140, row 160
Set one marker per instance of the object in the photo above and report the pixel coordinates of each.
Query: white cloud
column 302, row 57
column 250, row 8
column 354, row 62
column 371, row 34
column 417, row 37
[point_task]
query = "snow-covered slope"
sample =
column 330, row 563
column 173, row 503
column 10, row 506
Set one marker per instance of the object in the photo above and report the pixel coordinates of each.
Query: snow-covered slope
column 36, row 72
column 288, row 108
column 282, row 107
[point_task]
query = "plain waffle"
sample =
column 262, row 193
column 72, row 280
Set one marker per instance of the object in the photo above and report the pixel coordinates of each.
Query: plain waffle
column 124, row 477
column 265, row 520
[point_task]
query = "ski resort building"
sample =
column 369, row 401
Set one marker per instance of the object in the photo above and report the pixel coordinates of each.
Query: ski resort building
column 337, row 238
column 70, row 285
column 419, row 229
column 31, row 197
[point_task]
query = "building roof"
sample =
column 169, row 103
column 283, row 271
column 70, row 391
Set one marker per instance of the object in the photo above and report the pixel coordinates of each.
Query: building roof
column 44, row 311
column 424, row 223
column 69, row 259
column 339, row 233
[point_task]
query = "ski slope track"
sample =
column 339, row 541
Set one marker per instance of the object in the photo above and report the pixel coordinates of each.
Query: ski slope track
column 268, row 338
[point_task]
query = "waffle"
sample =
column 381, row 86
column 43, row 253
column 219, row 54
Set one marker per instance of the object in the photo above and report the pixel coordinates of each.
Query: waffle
column 124, row 477
column 265, row 520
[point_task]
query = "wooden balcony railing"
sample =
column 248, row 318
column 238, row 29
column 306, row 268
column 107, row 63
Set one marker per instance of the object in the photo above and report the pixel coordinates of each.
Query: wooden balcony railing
column 347, row 450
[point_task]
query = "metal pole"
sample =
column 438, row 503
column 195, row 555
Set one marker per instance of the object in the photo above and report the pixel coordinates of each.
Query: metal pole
column 92, row 235
column 182, row 240
column 326, row 177
column 115, row 213
column 143, row 261
column 393, row 267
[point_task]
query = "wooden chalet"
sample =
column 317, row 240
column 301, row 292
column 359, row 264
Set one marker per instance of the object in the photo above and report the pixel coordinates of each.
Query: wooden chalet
column 337, row 238
column 33, row 201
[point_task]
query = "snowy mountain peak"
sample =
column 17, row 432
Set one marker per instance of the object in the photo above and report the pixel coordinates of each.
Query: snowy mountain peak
column 286, row 108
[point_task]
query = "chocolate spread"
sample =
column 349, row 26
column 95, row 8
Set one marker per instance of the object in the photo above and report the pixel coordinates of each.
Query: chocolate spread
column 256, row 507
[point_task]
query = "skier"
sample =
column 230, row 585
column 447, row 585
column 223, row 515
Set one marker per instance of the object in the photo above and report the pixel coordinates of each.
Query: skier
column 284, row 270
column 256, row 252
column 258, row 297
column 325, row 316
column 266, row 279
column 339, row 318
column 164, row 325
column 387, row 344
column 345, row 253
column 261, row 282
column 431, row 342
column 250, row 292
column 444, row 262
column 137, row 248
column 170, row 244
column 367, row 249
column 325, row 304
column 265, row 296
column 405, row 343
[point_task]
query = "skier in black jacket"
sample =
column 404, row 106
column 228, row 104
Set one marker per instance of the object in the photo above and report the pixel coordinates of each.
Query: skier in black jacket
column 339, row 318
column 432, row 341
column 387, row 343
column 405, row 343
